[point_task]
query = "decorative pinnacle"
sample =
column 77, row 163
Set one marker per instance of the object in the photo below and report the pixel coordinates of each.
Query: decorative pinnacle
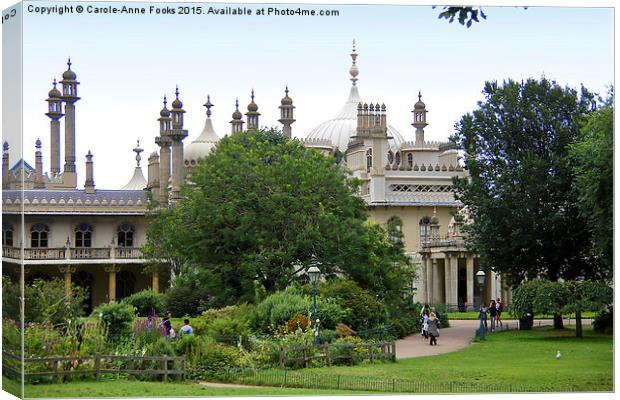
column 419, row 95
column 138, row 150
column 54, row 83
column 177, row 91
column 69, row 63
column 354, row 71
column 165, row 101
column 208, row 104
column 252, row 95
column 37, row 144
column 5, row 146
column 89, row 156
column 237, row 104
column 286, row 90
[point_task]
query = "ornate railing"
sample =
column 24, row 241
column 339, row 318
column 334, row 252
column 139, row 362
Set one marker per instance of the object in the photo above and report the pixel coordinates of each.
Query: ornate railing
column 73, row 253
column 446, row 241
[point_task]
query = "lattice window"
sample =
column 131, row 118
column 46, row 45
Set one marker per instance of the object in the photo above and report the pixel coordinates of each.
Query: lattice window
column 125, row 235
column 38, row 235
column 408, row 188
column 83, row 235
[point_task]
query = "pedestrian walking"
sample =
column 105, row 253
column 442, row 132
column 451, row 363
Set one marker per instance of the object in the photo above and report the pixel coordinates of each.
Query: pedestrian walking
column 492, row 314
column 425, row 318
column 433, row 328
column 499, row 307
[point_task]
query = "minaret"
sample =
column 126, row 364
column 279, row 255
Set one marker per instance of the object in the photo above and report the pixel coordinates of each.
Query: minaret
column 5, row 165
column 89, row 184
column 286, row 114
column 70, row 97
column 54, row 101
column 419, row 119
column 236, row 125
column 177, row 134
column 163, row 141
column 38, row 166
column 252, row 114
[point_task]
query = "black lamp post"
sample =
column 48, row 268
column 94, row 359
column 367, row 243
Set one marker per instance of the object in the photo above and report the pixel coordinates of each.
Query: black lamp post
column 480, row 278
column 314, row 272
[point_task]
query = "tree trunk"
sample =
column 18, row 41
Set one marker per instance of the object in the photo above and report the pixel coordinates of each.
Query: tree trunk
column 578, row 326
column 558, row 323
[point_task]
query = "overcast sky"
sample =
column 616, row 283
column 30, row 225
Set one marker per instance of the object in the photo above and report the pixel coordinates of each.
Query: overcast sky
column 126, row 63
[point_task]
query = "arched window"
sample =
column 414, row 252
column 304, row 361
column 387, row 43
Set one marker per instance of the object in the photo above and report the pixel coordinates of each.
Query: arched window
column 125, row 235
column 83, row 235
column 390, row 157
column 125, row 284
column 425, row 230
column 410, row 160
column 7, row 235
column 38, row 235
column 368, row 160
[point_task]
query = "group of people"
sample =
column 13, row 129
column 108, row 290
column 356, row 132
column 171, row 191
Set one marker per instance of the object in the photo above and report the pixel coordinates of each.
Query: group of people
column 166, row 329
column 495, row 314
column 430, row 324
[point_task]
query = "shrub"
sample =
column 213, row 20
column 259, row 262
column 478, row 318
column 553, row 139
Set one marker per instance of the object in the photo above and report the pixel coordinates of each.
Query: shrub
column 147, row 302
column 117, row 318
column 327, row 335
column 215, row 360
column 297, row 322
column 604, row 321
column 443, row 316
column 343, row 330
column 232, row 320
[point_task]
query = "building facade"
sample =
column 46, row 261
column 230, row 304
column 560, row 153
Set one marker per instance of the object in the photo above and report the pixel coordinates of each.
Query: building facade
column 93, row 237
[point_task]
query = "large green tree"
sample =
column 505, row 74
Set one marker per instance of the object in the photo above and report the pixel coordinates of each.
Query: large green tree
column 526, row 223
column 594, row 174
column 259, row 208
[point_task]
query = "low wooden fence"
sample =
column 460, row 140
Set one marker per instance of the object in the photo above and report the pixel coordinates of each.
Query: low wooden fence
column 96, row 365
column 334, row 353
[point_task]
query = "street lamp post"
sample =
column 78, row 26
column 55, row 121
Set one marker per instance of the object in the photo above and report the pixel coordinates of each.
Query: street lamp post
column 480, row 278
column 313, row 273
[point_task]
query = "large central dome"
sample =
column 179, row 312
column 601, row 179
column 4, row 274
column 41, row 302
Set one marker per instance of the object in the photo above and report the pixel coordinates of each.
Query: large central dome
column 343, row 125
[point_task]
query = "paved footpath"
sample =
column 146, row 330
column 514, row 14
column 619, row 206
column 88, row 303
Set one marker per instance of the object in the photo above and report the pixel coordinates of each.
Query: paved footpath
column 458, row 336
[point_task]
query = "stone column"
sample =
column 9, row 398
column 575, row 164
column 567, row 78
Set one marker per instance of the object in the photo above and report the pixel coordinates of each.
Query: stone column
column 470, row 281
column 454, row 279
column 112, row 270
column 447, row 293
column 429, row 281
column 67, row 271
column 55, row 146
column 436, row 283
column 155, row 282
column 164, row 175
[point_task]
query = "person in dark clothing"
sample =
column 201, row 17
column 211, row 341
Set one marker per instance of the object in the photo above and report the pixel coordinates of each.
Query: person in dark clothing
column 492, row 314
column 433, row 328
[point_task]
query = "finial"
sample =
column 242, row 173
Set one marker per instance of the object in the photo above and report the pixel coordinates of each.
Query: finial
column 37, row 144
column 177, row 91
column 138, row 150
column 69, row 63
column 286, row 90
column 165, row 101
column 252, row 95
column 5, row 146
column 54, row 83
column 208, row 105
column 419, row 95
column 237, row 104
column 354, row 71
column 354, row 45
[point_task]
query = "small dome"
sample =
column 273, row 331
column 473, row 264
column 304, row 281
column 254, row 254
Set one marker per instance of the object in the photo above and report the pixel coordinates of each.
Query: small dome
column 177, row 103
column 54, row 93
column 202, row 146
column 69, row 75
column 287, row 101
column 434, row 220
column 164, row 112
column 419, row 105
column 252, row 107
column 237, row 115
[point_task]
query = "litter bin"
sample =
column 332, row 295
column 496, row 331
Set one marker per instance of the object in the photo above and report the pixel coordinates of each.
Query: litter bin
column 527, row 322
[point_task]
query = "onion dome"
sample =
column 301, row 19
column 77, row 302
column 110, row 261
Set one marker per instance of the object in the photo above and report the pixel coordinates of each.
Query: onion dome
column 54, row 93
column 164, row 111
column 419, row 105
column 177, row 103
column 434, row 220
column 202, row 146
column 343, row 125
column 286, row 101
column 252, row 107
column 69, row 74
column 237, row 114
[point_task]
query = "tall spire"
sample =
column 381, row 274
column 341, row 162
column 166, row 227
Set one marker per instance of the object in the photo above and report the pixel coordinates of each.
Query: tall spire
column 354, row 71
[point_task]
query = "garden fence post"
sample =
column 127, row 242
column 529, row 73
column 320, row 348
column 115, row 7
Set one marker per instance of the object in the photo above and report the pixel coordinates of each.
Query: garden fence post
column 55, row 369
column 130, row 367
column 97, row 365
column 370, row 352
column 165, row 368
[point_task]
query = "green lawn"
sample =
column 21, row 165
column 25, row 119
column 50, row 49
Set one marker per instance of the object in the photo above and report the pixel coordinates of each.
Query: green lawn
column 124, row 388
column 525, row 359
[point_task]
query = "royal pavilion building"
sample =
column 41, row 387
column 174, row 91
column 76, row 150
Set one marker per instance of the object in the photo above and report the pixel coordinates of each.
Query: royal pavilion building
column 92, row 237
